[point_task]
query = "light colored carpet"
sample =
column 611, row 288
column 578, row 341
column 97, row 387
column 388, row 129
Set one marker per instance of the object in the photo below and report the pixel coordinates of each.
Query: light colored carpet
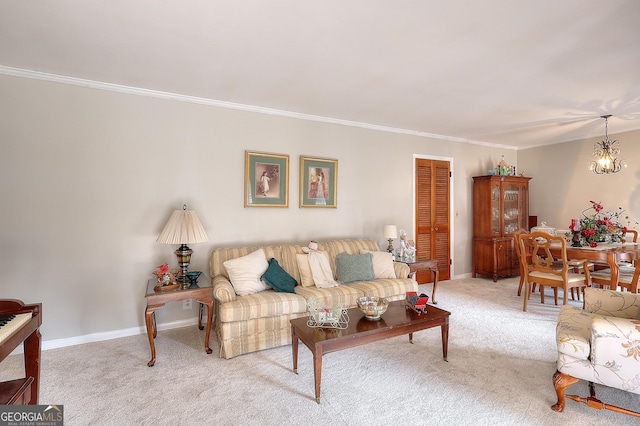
column 501, row 361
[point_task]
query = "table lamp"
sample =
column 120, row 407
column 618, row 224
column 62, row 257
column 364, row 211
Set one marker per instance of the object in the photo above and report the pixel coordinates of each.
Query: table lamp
column 390, row 232
column 183, row 227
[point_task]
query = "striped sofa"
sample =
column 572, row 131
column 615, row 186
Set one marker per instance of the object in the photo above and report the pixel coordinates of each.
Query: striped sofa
column 260, row 321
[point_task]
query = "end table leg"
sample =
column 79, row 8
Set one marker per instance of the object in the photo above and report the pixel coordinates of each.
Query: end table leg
column 294, row 349
column 435, row 285
column 445, row 339
column 209, row 303
column 411, row 338
column 200, row 308
column 150, row 320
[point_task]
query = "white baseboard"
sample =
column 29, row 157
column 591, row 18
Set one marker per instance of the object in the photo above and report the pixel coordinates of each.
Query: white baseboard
column 107, row 335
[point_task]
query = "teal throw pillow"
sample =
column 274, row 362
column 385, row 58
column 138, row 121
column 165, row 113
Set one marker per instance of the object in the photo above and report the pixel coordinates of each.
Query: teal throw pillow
column 278, row 279
column 354, row 267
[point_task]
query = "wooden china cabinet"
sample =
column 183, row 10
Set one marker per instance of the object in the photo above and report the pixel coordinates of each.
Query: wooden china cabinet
column 500, row 208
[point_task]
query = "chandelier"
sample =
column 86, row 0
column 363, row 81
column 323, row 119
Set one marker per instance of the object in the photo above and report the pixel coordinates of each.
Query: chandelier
column 604, row 151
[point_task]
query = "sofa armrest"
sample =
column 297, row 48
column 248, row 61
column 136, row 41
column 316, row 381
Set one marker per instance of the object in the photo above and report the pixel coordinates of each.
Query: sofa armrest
column 401, row 269
column 573, row 332
column 223, row 291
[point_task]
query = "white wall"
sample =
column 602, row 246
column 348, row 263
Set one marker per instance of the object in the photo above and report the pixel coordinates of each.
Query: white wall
column 563, row 185
column 89, row 177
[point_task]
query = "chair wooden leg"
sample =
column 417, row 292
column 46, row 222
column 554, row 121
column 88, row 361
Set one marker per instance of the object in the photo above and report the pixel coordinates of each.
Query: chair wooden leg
column 520, row 285
column 529, row 293
column 573, row 292
column 561, row 382
column 526, row 296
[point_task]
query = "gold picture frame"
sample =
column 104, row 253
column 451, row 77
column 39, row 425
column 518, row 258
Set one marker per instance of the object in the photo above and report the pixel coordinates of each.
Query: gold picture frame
column 266, row 179
column 318, row 182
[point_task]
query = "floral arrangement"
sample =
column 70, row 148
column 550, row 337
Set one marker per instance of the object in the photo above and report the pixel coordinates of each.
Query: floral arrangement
column 600, row 226
column 165, row 275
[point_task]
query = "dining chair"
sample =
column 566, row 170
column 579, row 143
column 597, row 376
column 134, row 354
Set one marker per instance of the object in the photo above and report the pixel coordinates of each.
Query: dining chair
column 633, row 234
column 601, row 274
column 627, row 278
column 556, row 265
column 628, row 267
column 540, row 266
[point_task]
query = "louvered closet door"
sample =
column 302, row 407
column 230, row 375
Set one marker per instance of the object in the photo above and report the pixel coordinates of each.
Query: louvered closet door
column 432, row 215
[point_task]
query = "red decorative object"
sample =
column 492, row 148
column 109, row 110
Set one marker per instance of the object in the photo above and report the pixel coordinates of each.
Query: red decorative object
column 417, row 303
column 166, row 277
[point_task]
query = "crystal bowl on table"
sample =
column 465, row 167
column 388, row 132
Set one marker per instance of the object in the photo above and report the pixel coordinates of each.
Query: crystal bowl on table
column 193, row 276
column 372, row 307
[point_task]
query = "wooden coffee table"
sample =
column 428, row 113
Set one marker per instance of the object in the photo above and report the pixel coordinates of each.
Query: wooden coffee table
column 396, row 321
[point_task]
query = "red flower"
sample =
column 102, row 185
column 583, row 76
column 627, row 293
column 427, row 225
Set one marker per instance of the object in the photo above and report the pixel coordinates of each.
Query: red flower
column 589, row 232
column 593, row 244
column 597, row 206
column 163, row 269
column 607, row 222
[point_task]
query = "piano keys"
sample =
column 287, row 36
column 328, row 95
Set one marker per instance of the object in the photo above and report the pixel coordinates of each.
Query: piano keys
column 9, row 324
column 21, row 326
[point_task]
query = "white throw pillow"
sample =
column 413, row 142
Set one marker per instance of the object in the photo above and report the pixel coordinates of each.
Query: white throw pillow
column 245, row 272
column 306, row 273
column 382, row 264
column 306, row 278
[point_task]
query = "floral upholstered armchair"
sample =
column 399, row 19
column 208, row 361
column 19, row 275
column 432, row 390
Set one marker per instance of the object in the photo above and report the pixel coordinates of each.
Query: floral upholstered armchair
column 599, row 344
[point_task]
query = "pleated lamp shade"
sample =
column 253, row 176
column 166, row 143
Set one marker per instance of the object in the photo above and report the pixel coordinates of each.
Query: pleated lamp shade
column 183, row 227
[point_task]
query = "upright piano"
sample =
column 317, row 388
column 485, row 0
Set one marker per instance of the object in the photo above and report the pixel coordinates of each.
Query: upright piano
column 20, row 323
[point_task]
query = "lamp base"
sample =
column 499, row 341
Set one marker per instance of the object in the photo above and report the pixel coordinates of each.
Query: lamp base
column 184, row 258
column 390, row 248
column 183, row 281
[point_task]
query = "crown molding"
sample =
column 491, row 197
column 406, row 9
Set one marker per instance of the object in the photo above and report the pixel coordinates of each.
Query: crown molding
column 37, row 75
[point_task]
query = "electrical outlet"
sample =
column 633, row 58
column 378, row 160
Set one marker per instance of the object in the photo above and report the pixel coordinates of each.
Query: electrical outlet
column 187, row 304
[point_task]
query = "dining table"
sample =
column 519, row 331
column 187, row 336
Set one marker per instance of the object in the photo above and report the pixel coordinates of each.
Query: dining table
column 604, row 253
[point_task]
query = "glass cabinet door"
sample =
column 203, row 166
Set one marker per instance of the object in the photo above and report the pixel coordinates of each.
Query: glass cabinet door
column 495, row 209
column 511, row 198
column 524, row 208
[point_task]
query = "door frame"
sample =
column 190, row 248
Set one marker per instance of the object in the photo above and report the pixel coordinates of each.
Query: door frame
column 451, row 204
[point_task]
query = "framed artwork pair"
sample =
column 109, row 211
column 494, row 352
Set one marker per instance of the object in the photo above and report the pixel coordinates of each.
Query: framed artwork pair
column 266, row 181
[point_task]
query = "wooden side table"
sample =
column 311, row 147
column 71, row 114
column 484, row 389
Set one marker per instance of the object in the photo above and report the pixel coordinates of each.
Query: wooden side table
column 202, row 292
column 422, row 265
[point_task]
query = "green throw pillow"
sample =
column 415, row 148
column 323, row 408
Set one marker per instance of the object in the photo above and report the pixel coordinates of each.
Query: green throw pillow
column 354, row 267
column 278, row 278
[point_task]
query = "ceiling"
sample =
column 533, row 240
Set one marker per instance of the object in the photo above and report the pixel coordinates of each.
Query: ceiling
column 507, row 73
